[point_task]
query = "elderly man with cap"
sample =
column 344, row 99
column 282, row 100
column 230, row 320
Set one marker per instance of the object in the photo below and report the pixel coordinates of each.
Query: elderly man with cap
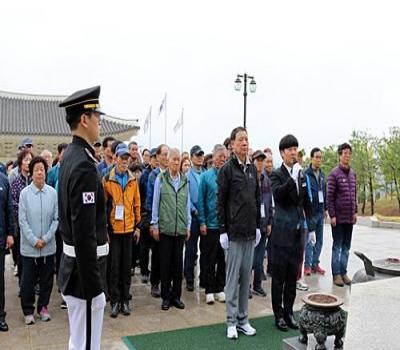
column 193, row 176
column 82, row 223
column 259, row 158
column 25, row 144
column 123, row 211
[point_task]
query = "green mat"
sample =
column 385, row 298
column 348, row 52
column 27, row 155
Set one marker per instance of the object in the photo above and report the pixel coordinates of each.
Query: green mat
column 212, row 337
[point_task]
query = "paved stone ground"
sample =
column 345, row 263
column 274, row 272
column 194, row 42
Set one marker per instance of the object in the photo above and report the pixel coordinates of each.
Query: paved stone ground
column 147, row 315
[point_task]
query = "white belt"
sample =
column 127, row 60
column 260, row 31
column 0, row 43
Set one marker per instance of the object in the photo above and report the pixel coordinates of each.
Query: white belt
column 69, row 250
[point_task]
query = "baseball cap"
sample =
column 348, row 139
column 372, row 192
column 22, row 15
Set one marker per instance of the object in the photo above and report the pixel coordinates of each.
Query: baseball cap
column 26, row 142
column 121, row 150
column 196, row 150
column 153, row 152
column 258, row 154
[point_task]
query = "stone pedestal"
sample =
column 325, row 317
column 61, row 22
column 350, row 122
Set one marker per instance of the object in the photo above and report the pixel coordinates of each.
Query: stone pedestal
column 294, row 343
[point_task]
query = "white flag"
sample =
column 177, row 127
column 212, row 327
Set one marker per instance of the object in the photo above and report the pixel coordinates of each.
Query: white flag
column 162, row 106
column 147, row 121
column 179, row 123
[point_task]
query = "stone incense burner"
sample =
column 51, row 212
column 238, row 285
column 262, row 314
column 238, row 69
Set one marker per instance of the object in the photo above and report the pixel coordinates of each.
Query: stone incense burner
column 322, row 316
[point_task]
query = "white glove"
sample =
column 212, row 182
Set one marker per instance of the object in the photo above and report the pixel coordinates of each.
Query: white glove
column 312, row 238
column 295, row 171
column 224, row 240
column 258, row 236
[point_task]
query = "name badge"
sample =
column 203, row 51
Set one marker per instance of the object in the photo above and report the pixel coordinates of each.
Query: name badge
column 320, row 196
column 119, row 212
column 262, row 211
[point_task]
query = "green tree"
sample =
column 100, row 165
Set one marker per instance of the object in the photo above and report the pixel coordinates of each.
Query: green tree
column 389, row 160
column 365, row 164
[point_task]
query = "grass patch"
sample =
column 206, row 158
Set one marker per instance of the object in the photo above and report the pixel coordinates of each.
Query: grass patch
column 212, row 337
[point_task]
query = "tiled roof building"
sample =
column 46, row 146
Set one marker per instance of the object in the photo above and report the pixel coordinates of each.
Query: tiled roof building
column 39, row 117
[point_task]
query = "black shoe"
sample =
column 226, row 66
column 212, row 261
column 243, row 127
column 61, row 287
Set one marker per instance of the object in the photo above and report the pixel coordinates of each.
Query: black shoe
column 165, row 305
column 37, row 289
column 3, row 326
column 264, row 276
column 63, row 305
column 145, row 278
column 259, row 291
column 291, row 322
column 189, row 286
column 155, row 292
column 250, row 294
column 130, row 296
column 178, row 304
column 125, row 309
column 114, row 310
column 281, row 324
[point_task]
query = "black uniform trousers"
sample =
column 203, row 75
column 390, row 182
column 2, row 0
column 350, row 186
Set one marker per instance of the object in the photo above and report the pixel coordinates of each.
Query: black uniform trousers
column 2, row 286
column 214, row 262
column 120, row 269
column 171, row 266
column 33, row 269
column 59, row 250
column 285, row 263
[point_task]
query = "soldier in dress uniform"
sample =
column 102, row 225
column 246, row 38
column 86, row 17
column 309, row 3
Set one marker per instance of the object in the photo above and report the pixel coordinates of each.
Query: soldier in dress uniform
column 82, row 222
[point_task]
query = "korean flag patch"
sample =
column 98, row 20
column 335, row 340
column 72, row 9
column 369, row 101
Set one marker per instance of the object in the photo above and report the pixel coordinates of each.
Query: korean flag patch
column 88, row 197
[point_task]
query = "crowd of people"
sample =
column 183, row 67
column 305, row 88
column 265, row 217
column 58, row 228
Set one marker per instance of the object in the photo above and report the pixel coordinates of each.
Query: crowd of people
column 228, row 212
column 183, row 189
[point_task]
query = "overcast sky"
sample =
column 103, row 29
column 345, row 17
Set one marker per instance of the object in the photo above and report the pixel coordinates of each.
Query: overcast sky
column 322, row 68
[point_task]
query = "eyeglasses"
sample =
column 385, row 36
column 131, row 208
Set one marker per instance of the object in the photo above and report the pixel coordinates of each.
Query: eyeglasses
column 28, row 146
column 26, row 160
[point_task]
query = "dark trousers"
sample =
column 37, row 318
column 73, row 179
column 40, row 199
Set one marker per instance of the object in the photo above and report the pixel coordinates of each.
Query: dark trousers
column 145, row 246
column 155, row 263
column 285, row 262
column 33, row 269
column 171, row 257
column 16, row 252
column 269, row 254
column 191, row 251
column 59, row 249
column 135, row 255
column 120, row 269
column 2, row 287
column 258, row 261
column 341, row 234
column 214, row 263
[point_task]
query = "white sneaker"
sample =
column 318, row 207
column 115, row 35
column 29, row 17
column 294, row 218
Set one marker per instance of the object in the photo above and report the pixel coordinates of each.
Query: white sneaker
column 231, row 333
column 247, row 329
column 301, row 286
column 210, row 298
column 16, row 270
column 220, row 297
column 29, row 319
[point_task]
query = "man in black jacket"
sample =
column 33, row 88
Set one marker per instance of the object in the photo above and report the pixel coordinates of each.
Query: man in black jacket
column 291, row 202
column 239, row 219
column 82, row 223
column 7, row 232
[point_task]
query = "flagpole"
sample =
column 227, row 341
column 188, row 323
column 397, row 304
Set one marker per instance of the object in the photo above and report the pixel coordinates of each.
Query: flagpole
column 150, row 128
column 182, row 132
column 165, row 131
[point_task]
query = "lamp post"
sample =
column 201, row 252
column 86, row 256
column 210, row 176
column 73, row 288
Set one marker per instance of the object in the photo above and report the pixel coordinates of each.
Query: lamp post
column 238, row 86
